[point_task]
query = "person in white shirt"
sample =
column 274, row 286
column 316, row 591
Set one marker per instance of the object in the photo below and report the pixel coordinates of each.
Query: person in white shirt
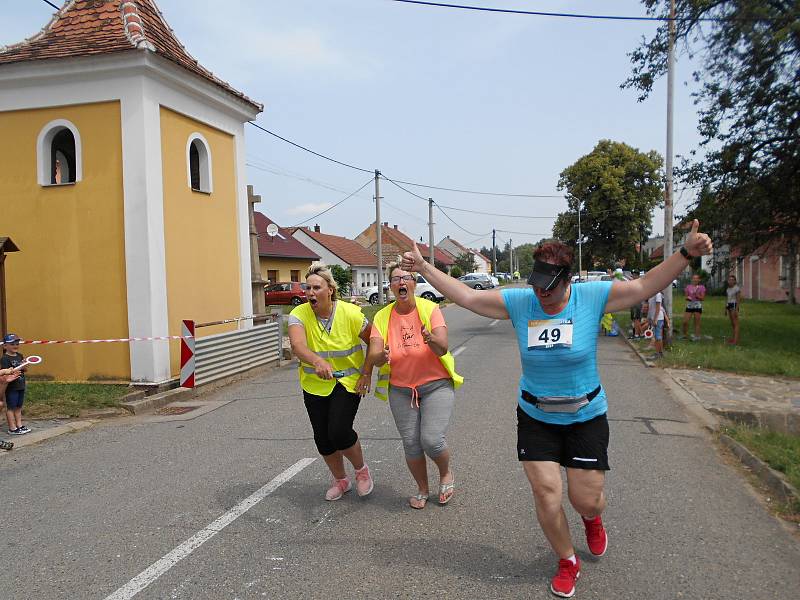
column 657, row 318
column 734, row 294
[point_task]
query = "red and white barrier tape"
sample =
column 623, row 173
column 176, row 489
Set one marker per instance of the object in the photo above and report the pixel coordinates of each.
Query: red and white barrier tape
column 135, row 339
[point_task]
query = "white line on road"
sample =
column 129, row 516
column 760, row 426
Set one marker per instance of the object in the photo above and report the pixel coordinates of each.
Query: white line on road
column 158, row 568
column 458, row 350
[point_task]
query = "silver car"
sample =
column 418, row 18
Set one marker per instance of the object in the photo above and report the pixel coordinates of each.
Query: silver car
column 478, row 281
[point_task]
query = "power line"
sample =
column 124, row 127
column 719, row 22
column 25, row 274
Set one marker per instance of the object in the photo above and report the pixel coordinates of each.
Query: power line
column 335, row 205
column 571, row 15
column 393, row 182
column 490, row 214
column 282, row 173
column 447, row 189
column 338, row 162
column 459, row 226
column 51, row 4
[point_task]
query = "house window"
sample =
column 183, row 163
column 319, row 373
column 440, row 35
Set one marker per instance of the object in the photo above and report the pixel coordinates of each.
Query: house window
column 295, row 275
column 59, row 154
column 198, row 160
column 272, row 275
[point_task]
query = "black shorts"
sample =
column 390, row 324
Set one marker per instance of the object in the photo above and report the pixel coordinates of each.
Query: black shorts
column 332, row 419
column 577, row 446
column 699, row 311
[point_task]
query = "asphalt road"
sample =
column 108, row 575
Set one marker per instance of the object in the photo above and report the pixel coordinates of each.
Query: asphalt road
column 85, row 514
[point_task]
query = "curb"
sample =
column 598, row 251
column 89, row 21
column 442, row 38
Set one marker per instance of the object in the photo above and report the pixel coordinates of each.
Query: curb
column 36, row 437
column 772, row 479
column 782, row 489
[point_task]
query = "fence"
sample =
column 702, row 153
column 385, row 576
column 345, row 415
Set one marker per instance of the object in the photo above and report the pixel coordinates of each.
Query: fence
column 220, row 355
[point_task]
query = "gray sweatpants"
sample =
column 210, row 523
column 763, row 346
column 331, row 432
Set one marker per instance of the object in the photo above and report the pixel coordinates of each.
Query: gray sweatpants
column 423, row 428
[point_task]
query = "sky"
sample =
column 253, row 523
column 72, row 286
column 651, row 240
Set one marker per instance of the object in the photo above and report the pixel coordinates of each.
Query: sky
column 443, row 97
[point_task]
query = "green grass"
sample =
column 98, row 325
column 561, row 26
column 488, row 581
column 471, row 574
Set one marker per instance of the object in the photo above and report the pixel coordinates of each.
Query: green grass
column 779, row 450
column 48, row 399
column 768, row 338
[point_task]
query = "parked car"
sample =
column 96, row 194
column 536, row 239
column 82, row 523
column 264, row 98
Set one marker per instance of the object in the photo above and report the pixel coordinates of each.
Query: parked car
column 478, row 281
column 290, row 292
column 423, row 290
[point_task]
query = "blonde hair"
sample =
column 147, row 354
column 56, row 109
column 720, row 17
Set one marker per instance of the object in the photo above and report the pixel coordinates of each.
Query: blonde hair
column 322, row 270
column 395, row 264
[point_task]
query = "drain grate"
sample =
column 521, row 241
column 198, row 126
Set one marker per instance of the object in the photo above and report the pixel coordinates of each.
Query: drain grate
column 176, row 410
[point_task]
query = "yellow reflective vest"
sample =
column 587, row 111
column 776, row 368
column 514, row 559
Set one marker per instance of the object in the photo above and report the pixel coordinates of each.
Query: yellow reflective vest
column 381, row 322
column 341, row 346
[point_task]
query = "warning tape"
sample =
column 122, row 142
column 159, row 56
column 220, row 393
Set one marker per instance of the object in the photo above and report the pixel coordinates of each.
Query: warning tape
column 134, row 339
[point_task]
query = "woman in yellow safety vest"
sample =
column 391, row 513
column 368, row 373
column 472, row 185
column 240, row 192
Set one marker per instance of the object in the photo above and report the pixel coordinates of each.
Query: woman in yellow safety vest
column 326, row 336
column 417, row 377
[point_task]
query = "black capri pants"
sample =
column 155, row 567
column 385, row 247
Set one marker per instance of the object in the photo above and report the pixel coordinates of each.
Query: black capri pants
column 332, row 419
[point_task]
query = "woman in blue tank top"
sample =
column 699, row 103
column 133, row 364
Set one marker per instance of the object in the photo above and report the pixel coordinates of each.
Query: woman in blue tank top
column 561, row 412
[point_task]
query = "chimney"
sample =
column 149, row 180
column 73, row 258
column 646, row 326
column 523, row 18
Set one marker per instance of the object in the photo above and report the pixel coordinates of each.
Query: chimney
column 316, row 228
column 395, row 226
column 386, row 223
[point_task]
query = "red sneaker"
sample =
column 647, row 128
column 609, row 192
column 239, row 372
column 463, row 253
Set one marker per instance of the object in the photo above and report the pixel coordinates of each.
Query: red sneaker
column 596, row 537
column 563, row 584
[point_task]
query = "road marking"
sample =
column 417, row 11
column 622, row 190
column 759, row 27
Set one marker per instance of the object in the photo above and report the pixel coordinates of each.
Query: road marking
column 158, row 568
column 494, row 322
column 458, row 350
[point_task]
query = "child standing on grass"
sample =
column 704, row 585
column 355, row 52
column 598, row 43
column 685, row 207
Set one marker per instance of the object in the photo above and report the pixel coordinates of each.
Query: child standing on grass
column 734, row 299
column 15, row 391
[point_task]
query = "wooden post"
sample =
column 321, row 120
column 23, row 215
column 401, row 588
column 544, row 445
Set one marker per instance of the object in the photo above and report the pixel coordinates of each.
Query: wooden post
column 256, row 283
column 6, row 245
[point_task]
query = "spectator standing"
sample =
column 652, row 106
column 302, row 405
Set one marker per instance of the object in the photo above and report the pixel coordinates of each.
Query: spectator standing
column 15, row 391
column 636, row 315
column 657, row 318
column 695, row 293
column 6, row 376
column 734, row 294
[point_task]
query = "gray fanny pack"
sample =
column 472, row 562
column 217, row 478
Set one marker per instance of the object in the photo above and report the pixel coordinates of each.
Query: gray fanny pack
column 560, row 404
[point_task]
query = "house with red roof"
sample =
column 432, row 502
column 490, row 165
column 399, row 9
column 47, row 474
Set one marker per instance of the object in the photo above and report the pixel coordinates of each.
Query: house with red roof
column 338, row 250
column 455, row 249
column 281, row 256
column 394, row 242
column 124, row 186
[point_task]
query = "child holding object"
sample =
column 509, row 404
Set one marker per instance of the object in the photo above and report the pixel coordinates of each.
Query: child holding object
column 15, row 390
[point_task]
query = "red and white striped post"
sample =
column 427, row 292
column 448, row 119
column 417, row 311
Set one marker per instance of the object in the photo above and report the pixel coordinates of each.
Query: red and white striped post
column 187, row 354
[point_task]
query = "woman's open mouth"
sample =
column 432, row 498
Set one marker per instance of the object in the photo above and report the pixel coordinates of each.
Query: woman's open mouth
column 312, row 301
column 402, row 291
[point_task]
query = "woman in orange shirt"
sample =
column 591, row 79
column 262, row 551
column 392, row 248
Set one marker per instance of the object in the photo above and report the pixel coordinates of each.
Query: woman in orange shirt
column 409, row 342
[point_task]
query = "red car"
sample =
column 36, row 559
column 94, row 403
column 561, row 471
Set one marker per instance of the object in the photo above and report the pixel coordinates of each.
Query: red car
column 292, row 292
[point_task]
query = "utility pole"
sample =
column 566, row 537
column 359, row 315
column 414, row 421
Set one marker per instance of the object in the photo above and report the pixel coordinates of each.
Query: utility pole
column 378, row 234
column 511, row 257
column 668, row 192
column 494, row 253
column 580, row 244
column 430, row 231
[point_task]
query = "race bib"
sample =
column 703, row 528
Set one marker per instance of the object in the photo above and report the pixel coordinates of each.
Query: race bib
column 550, row 333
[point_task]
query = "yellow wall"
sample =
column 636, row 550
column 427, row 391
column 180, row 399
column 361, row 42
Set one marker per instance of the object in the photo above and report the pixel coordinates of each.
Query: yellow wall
column 201, row 231
column 284, row 266
column 68, row 280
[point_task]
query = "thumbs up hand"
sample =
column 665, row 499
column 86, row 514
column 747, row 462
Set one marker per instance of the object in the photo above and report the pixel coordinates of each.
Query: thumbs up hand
column 413, row 260
column 698, row 244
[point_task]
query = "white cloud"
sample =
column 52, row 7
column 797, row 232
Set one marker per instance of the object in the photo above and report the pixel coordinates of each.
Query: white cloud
column 309, row 208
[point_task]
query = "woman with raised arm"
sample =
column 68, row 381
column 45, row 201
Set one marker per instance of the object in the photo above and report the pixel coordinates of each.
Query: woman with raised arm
column 561, row 412
column 326, row 336
column 417, row 376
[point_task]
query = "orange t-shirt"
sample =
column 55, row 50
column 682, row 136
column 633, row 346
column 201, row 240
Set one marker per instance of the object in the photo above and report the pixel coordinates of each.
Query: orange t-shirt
column 413, row 362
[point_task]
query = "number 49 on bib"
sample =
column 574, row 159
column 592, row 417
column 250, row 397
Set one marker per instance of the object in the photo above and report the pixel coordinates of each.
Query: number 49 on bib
column 549, row 333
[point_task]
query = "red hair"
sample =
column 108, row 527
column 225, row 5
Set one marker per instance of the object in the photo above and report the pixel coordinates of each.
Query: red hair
column 554, row 253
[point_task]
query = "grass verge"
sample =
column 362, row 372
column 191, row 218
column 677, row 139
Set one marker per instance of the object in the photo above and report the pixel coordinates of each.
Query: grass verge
column 779, row 450
column 45, row 399
column 767, row 344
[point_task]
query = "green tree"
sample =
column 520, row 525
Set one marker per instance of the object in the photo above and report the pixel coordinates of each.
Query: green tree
column 343, row 278
column 456, row 272
column 617, row 188
column 466, row 262
column 749, row 114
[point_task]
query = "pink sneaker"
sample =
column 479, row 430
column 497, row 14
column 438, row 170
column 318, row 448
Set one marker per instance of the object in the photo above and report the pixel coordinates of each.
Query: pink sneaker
column 364, row 483
column 338, row 488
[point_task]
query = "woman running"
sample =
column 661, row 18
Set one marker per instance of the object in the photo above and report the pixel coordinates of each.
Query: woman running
column 561, row 413
column 417, row 376
column 326, row 336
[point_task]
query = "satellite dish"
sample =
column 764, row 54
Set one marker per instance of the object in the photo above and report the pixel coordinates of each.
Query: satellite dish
column 272, row 230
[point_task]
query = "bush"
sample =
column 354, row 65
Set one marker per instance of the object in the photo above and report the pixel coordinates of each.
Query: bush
column 456, row 272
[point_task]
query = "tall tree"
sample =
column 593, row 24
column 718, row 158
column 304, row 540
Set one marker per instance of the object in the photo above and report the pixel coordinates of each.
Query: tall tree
column 749, row 108
column 617, row 188
column 466, row 262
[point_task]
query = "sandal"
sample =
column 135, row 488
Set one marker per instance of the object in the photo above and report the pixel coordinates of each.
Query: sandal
column 422, row 498
column 4, row 445
column 444, row 490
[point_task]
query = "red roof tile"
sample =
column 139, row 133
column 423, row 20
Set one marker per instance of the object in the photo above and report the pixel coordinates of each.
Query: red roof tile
column 282, row 245
column 95, row 27
column 348, row 250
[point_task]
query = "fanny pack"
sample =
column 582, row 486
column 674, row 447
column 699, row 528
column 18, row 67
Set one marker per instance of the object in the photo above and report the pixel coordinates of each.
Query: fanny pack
column 562, row 404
